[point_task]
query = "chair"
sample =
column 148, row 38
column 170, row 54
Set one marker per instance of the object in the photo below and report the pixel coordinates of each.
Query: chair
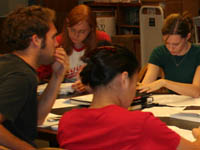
column 142, row 73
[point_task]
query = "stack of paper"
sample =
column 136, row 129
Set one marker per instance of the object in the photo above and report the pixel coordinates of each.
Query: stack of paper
column 62, row 103
column 51, row 120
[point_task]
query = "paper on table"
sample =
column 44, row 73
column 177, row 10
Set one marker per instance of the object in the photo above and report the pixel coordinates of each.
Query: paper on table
column 197, row 112
column 190, row 115
column 176, row 100
column 59, row 103
column 62, row 103
column 163, row 111
column 187, row 134
column 54, row 127
column 47, row 123
column 82, row 100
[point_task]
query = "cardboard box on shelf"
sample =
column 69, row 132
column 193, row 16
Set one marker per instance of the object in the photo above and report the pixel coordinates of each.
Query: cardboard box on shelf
column 107, row 24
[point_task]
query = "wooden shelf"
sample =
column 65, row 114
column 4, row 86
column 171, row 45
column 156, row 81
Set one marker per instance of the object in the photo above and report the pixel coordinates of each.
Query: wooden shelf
column 128, row 26
column 153, row 1
column 125, row 14
column 104, row 4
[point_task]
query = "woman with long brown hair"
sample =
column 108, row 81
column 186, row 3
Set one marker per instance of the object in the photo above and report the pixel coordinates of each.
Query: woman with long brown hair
column 178, row 57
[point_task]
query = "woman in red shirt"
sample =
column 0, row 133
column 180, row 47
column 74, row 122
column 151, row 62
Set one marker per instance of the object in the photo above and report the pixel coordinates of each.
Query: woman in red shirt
column 79, row 37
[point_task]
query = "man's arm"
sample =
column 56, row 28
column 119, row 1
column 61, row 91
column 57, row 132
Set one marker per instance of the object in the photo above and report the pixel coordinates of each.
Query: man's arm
column 47, row 99
column 10, row 141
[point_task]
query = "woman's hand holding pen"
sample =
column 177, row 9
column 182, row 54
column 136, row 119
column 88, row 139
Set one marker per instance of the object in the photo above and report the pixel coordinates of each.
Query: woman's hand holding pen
column 156, row 85
column 78, row 85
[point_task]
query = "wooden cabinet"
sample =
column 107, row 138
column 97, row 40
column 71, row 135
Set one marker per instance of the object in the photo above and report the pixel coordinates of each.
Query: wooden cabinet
column 192, row 6
column 176, row 6
column 127, row 15
column 128, row 18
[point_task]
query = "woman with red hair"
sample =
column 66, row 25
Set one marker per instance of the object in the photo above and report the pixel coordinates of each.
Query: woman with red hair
column 79, row 36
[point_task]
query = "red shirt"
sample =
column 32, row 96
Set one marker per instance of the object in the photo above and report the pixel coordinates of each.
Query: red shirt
column 45, row 71
column 116, row 128
column 102, row 36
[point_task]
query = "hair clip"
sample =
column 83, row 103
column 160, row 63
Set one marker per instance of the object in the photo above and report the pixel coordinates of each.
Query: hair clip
column 110, row 48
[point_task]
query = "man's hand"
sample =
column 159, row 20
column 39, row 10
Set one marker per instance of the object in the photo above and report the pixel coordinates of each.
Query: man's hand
column 61, row 64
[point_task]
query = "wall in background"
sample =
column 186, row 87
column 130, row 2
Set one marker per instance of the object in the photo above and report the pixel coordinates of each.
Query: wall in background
column 62, row 7
column 192, row 6
column 8, row 5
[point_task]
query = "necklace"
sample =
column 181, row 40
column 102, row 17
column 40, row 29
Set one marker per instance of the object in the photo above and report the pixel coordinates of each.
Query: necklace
column 184, row 56
column 179, row 62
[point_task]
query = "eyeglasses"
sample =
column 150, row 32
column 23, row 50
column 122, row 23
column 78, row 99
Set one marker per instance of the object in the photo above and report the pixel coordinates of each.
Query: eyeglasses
column 77, row 32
